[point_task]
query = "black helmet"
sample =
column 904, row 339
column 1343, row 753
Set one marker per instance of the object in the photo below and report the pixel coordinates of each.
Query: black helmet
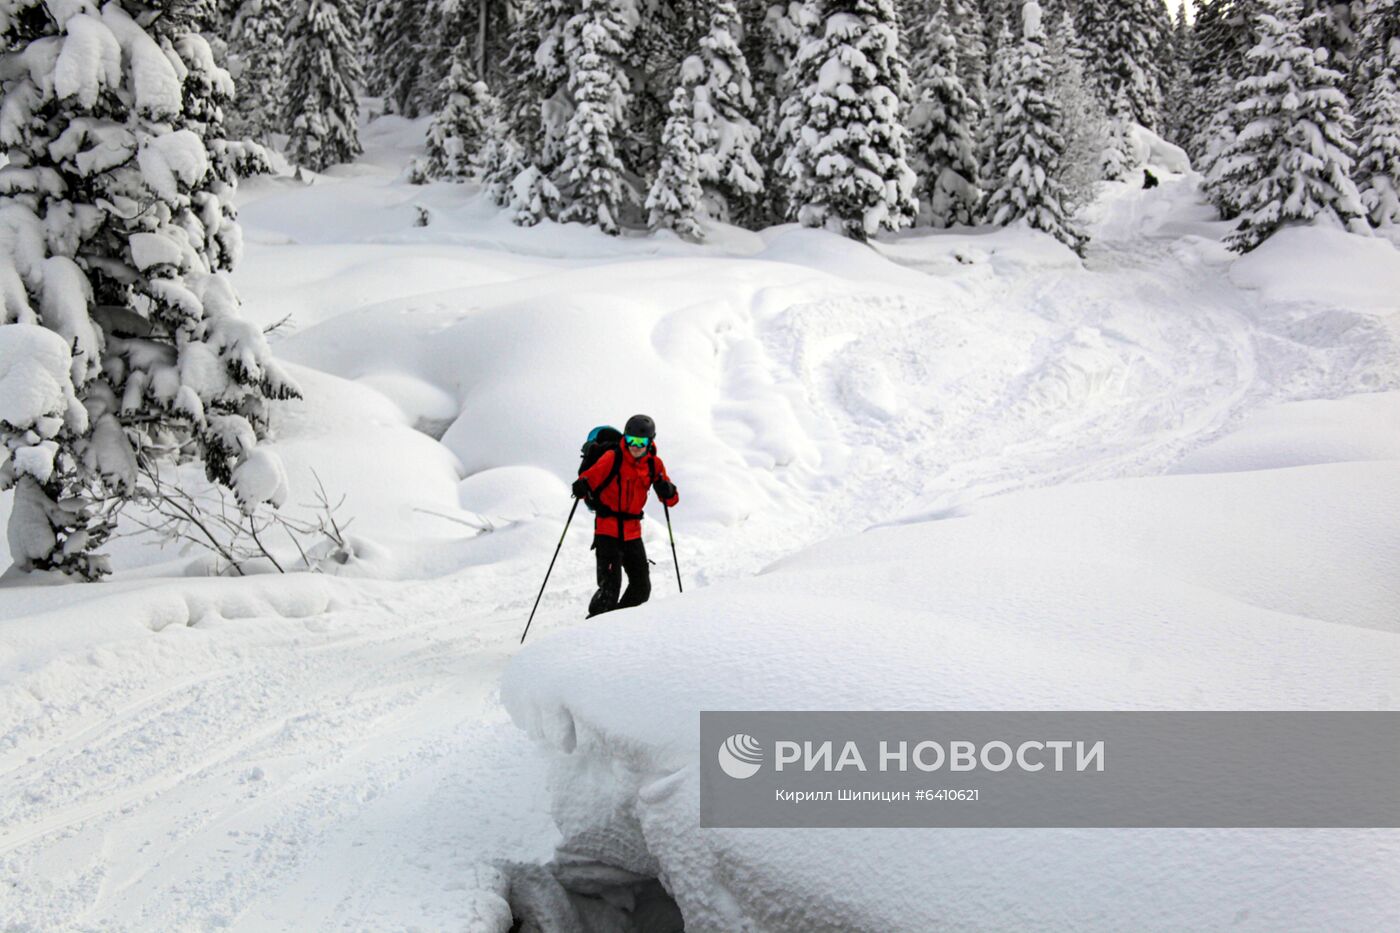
column 640, row 426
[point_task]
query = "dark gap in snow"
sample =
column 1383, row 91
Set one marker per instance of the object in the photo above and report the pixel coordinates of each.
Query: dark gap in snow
column 433, row 427
column 588, row 898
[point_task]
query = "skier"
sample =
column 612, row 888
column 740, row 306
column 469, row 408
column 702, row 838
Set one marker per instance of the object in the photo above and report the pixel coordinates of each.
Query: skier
column 616, row 486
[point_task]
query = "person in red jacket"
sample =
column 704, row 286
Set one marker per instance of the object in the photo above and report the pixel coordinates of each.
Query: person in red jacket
column 617, row 486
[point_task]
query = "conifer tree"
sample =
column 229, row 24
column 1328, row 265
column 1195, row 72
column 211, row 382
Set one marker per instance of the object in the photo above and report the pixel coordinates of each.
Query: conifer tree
column 1118, row 51
column 1378, row 161
column 1004, row 50
column 723, row 100
column 1211, row 83
column 674, row 199
column 487, row 26
column 1115, row 158
column 393, row 33
column 787, row 28
column 257, row 58
column 943, row 121
column 1337, row 28
column 1178, row 107
column 594, row 40
column 119, row 328
column 1155, row 20
column 1292, row 161
column 535, row 108
column 532, row 197
column 322, row 113
column 969, row 36
column 1123, row 39
column 846, row 164
column 463, row 132
column 1226, row 31
column 1030, row 146
column 1083, row 124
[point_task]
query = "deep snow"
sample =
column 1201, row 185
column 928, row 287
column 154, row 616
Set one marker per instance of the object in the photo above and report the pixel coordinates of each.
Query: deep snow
column 329, row 751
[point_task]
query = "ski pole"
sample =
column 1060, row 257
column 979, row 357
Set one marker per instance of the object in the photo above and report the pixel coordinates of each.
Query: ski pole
column 551, row 570
column 672, row 536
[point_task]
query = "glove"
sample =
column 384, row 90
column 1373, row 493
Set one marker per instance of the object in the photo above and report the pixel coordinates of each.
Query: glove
column 664, row 490
column 581, row 488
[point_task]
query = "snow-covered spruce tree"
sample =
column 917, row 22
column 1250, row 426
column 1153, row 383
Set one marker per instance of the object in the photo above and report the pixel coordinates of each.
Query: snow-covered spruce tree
column 1156, row 21
column 1209, row 89
column 208, row 92
column 463, row 131
column 534, row 112
column 847, row 166
column 1292, row 162
column 120, row 327
column 1004, row 49
column 722, row 96
column 1122, row 39
column 1225, row 32
column 532, row 196
column 486, row 24
column 942, row 126
column 787, row 28
column 445, row 23
column 1379, row 44
column 324, row 76
column 1378, row 162
column 256, row 61
column 1179, row 109
column 1083, row 123
column 1031, row 146
column 664, row 35
column 969, row 35
column 1337, row 29
column 674, row 199
column 1377, row 169
column 393, row 31
column 594, row 40
column 1115, row 158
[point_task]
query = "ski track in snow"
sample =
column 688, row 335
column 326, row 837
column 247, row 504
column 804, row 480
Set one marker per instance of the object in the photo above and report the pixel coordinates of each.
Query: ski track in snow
column 353, row 769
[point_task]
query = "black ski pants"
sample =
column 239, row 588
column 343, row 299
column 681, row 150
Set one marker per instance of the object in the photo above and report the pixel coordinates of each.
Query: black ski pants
column 614, row 556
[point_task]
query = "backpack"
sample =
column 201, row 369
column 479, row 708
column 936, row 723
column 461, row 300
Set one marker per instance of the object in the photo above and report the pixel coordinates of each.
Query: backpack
column 601, row 440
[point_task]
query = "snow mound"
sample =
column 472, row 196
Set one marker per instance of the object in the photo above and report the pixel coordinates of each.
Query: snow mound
column 1324, row 265
column 513, row 493
column 1359, row 427
column 1126, row 594
column 1003, row 251
column 1149, row 149
column 425, row 406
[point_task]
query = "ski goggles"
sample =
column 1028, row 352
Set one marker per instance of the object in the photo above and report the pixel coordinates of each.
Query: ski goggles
column 634, row 441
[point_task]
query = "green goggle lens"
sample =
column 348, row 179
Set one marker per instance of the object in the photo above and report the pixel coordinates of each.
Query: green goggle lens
column 634, row 441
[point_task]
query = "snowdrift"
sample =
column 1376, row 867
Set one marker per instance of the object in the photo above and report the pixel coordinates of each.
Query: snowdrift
column 1324, row 265
column 1271, row 589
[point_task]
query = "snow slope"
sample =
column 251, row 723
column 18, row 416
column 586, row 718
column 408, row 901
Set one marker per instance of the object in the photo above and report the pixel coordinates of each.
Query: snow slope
column 324, row 751
column 1199, row 592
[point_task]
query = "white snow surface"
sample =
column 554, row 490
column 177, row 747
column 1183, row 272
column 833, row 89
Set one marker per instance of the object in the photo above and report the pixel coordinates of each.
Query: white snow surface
column 330, row 751
column 1326, row 266
column 1123, row 594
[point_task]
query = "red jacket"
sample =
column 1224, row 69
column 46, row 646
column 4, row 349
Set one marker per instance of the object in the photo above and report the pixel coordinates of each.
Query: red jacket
column 627, row 492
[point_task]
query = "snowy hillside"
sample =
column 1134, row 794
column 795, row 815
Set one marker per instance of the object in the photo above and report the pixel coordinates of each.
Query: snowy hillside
column 942, row 470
